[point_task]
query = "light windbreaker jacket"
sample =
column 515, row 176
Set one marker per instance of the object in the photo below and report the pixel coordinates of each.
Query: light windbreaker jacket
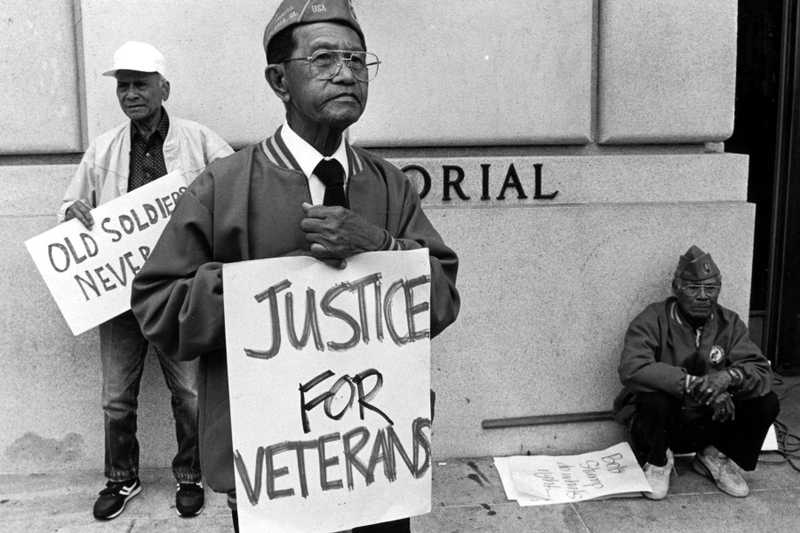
column 103, row 172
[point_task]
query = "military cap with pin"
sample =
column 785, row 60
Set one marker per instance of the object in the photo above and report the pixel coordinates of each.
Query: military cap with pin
column 696, row 265
column 295, row 12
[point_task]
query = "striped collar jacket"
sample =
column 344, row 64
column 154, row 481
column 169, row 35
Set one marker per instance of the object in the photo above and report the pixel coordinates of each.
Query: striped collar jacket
column 278, row 153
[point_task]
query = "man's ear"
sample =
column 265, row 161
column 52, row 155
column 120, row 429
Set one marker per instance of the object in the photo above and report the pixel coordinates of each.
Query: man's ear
column 276, row 78
column 164, row 89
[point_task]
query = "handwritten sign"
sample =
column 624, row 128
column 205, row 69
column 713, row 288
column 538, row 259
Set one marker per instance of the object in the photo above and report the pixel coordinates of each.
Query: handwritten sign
column 544, row 479
column 89, row 272
column 329, row 375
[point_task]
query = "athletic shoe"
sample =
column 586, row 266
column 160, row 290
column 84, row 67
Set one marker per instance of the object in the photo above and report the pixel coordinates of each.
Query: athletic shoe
column 726, row 474
column 658, row 478
column 114, row 497
column 189, row 499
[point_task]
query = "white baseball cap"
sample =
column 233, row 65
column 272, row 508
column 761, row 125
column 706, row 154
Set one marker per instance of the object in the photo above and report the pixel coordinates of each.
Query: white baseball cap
column 138, row 56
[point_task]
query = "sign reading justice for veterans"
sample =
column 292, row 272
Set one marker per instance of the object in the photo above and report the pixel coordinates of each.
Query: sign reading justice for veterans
column 329, row 376
column 89, row 272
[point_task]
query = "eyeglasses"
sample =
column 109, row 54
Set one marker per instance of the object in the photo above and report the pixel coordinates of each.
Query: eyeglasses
column 326, row 64
column 693, row 290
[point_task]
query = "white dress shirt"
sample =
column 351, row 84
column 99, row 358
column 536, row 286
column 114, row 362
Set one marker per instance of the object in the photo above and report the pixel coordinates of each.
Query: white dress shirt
column 308, row 158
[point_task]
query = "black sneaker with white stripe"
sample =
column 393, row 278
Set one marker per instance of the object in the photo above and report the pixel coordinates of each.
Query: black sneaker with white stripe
column 114, row 497
column 189, row 499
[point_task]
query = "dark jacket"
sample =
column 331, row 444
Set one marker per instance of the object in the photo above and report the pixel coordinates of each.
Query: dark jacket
column 661, row 348
column 248, row 206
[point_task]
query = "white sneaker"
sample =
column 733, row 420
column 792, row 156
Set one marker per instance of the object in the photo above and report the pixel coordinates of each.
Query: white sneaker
column 726, row 474
column 658, row 477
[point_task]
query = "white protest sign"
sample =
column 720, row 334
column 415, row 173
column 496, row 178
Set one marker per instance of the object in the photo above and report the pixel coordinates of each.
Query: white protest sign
column 545, row 479
column 89, row 272
column 329, row 376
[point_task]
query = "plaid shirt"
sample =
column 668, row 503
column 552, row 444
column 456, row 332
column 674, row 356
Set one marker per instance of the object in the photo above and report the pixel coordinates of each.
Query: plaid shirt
column 147, row 155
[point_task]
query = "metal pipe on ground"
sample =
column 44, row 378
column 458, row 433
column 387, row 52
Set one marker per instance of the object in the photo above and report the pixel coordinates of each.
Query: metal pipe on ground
column 543, row 420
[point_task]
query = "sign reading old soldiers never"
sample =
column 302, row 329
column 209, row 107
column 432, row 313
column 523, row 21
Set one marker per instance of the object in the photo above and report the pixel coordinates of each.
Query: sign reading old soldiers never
column 329, row 378
column 89, row 271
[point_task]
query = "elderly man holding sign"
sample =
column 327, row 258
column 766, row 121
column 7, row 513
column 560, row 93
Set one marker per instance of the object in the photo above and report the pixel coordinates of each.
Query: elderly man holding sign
column 304, row 191
column 120, row 160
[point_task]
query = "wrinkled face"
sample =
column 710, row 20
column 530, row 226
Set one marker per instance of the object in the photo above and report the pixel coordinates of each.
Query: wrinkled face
column 140, row 93
column 697, row 299
column 312, row 102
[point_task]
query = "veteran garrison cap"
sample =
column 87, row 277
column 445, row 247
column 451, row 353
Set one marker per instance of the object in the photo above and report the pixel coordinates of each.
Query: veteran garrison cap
column 696, row 265
column 294, row 12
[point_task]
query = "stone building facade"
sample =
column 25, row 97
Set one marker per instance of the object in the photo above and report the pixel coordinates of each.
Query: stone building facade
column 568, row 150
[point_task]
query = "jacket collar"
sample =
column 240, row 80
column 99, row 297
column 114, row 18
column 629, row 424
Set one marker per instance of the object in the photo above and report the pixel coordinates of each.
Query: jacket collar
column 306, row 155
column 279, row 154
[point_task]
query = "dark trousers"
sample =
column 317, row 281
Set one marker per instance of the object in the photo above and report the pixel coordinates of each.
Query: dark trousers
column 663, row 421
column 122, row 351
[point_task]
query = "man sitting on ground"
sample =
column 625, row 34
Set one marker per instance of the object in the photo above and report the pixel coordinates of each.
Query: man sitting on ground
column 695, row 382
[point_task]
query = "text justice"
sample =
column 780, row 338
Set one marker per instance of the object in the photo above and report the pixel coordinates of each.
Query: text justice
column 401, row 291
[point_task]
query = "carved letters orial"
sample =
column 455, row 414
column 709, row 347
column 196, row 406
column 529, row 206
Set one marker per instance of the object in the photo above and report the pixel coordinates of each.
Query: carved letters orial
column 484, row 182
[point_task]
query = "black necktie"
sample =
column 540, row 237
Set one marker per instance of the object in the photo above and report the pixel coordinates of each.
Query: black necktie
column 331, row 173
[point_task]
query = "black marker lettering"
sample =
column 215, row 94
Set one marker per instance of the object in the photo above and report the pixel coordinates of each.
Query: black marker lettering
column 271, row 295
column 350, row 459
column 331, row 311
column 253, row 490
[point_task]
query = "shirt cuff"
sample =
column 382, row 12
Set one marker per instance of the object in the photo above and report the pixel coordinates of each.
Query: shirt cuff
column 389, row 242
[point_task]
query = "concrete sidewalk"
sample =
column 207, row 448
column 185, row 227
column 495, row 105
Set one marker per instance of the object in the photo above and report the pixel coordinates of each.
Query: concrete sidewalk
column 467, row 497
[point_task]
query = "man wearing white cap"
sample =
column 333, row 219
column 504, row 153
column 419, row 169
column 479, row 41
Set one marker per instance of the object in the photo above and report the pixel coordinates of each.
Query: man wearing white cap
column 143, row 149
